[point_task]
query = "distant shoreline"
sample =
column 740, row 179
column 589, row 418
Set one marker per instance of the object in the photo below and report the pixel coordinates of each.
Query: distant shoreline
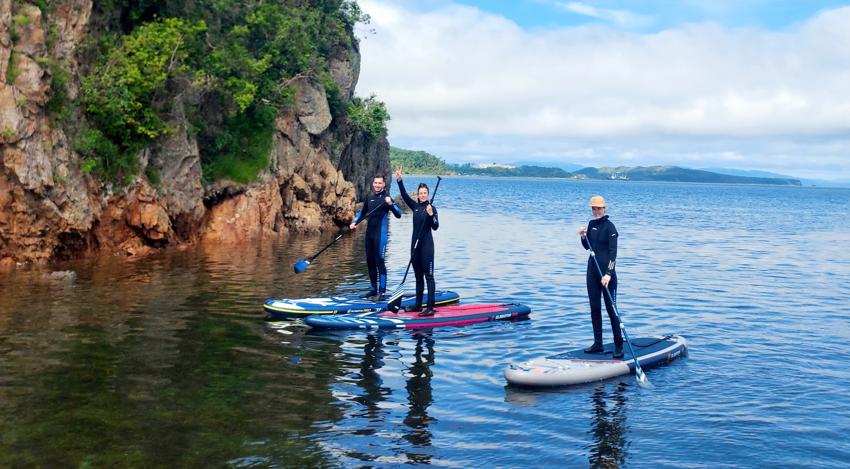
column 582, row 180
column 420, row 162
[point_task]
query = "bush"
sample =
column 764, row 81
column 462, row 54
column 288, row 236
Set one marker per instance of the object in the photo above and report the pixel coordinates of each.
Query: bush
column 119, row 94
column 105, row 158
column 241, row 148
column 242, row 55
column 368, row 115
column 153, row 175
column 12, row 71
column 58, row 102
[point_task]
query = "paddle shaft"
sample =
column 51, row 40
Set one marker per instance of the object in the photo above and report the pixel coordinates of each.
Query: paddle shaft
column 311, row 258
column 638, row 370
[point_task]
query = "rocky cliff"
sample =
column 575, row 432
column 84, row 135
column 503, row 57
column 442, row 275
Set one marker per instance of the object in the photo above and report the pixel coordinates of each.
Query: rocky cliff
column 51, row 208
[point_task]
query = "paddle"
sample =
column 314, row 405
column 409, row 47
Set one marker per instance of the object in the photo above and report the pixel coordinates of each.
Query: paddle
column 394, row 302
column 304, row 262
column 642, row 380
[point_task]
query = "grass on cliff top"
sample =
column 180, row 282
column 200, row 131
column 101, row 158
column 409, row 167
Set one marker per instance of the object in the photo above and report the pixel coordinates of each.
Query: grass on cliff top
column 241, row 149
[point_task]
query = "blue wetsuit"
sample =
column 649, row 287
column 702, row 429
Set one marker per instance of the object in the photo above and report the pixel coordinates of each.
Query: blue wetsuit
column 422, row 257
column 603, row 238
column 376, row 237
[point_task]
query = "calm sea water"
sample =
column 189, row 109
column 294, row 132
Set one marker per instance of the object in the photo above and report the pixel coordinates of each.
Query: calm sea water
column 165, row 361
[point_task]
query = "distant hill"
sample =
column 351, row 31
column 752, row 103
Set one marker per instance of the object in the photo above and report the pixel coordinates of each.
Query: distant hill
column 422, row 162
column 568, row 167
column 748, row 173
column 419, row 162
column 519, row 171
column 805, row 182
column 677, row 174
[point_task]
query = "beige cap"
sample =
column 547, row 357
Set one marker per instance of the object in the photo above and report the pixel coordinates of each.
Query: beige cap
column 597, row 201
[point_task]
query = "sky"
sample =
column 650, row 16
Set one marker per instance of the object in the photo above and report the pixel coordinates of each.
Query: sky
column 741, row 84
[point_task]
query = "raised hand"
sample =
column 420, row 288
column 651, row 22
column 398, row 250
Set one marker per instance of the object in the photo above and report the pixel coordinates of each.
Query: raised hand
column 398, row 173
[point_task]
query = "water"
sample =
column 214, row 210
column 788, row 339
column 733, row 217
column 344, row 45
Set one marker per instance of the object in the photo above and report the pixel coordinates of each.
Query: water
column 165, row 362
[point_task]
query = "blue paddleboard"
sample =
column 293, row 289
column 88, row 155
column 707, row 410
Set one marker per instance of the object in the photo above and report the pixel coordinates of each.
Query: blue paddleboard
column 285, row 308
column 454, row 315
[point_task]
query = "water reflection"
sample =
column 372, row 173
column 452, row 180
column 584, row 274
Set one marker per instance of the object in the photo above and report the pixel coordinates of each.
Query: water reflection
column 151, row 363
column 379, row 402
column 374, row 392
column 608, row 428
column 419, row 398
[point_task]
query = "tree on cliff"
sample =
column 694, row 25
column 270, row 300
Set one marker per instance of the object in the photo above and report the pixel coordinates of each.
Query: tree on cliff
column 237, row 64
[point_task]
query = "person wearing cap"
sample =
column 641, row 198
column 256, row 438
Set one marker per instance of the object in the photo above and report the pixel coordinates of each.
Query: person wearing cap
column 601, row 235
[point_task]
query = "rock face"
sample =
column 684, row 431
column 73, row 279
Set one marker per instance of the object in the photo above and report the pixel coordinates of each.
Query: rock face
column 46, row 202
column 51, row 209
column 177, row 162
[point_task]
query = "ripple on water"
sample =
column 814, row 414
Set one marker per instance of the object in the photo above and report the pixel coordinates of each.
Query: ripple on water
column 763, row 312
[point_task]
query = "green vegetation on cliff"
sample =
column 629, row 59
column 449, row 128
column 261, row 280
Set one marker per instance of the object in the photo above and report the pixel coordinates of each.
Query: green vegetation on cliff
column 368, row 115
column 233, row 63
column 118, row 96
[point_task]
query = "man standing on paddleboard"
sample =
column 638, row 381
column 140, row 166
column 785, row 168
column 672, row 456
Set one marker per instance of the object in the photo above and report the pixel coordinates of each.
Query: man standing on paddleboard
column 376, row 234
column 601, row 235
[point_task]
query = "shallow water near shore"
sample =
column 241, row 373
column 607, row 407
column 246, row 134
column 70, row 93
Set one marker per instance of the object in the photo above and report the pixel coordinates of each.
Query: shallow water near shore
column 166, row 361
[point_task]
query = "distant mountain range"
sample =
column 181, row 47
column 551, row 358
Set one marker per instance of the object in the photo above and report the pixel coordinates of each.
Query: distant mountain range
column 569, row 167
column 420, row 162
column 748, row 173
column 678, row 174
column 517, row 171
column 766, row 174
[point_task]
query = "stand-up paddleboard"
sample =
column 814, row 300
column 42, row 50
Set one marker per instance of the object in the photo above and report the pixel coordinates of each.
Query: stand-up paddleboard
column 457, row 315
column 298, row 308
column 576, row 366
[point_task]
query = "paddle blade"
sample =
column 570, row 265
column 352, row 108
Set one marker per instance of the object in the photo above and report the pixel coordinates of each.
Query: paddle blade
column 642, row 380
column 394, row 302
column 301, row 266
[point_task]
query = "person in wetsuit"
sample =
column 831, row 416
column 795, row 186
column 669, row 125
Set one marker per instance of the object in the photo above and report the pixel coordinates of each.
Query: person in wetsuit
column 376, row 234
column 602, row 236
column 421, row 254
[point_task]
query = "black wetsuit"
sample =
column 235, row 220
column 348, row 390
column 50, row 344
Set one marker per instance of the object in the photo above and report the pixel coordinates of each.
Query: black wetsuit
column 376, row 237
column 422, row 255
column 602, row 235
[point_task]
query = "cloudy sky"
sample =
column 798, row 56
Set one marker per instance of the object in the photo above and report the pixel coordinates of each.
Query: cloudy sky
column 745, row 84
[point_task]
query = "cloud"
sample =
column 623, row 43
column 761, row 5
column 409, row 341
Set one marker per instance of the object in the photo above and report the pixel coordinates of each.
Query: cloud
column 622, row 18
column 457, row 74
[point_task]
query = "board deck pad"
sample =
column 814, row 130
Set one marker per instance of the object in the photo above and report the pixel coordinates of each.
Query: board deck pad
column 456, row 315
column 301, row 307
column 577, row 366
